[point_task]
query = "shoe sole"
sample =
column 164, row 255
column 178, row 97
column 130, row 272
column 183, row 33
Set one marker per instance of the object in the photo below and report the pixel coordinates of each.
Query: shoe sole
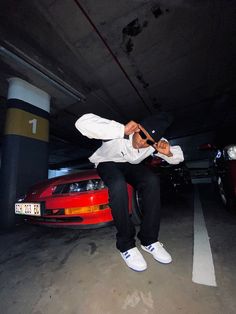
column 159, row 260
column 138, row 271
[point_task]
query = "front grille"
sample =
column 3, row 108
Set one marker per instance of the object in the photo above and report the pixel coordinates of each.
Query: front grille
column 58, row 220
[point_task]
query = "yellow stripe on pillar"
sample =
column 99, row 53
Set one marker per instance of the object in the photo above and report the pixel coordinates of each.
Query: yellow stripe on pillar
column 23, row 123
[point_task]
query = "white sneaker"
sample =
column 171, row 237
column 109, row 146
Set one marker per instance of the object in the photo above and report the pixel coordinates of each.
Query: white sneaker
column 158, row 252
column 134, row 259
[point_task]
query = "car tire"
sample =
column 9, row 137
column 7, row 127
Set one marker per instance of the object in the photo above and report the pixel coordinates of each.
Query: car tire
column 221, row 190
column 228, row 201
column 136, row 215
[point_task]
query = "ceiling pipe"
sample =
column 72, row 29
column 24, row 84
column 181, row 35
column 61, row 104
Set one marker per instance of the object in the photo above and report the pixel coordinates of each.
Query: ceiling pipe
column 19, row 57
column 112, row 53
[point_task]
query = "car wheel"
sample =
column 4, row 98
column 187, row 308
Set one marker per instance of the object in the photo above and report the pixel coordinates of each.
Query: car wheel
column 136, row 216
column 221, row 191
column 228, row 201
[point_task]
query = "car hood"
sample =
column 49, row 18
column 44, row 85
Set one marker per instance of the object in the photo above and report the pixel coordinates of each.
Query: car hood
column 78, row 176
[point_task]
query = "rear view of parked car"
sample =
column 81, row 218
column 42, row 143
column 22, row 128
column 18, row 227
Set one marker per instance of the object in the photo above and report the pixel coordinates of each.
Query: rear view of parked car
column 224, row 172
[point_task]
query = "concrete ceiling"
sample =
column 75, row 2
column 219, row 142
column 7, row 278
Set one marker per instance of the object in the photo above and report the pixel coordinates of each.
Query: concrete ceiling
column 122, row 60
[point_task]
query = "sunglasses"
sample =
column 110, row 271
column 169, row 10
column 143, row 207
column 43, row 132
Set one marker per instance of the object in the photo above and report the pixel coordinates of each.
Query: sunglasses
column 144, row 137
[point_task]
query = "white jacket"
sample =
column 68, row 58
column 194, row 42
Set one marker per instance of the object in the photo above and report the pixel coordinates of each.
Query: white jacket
column 118, row 149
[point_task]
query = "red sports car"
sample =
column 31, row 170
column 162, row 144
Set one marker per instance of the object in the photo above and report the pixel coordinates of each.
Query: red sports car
column 79, row 199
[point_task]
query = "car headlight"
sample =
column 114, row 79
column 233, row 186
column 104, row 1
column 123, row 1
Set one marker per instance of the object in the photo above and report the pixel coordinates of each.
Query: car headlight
column 231, row 152
column 80, row 186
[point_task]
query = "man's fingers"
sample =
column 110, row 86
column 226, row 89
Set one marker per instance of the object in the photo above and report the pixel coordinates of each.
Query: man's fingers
column 131, row 127
column 163, row 147
column 134, row 127
column 163, row 144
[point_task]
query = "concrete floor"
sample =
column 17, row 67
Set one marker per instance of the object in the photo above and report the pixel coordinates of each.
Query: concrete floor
column 44, row 271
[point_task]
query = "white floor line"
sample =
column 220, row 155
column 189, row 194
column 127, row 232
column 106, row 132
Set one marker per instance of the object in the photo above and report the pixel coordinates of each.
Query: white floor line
column 203, row 266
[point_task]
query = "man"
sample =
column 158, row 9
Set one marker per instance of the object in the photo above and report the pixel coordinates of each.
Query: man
column 118, row 162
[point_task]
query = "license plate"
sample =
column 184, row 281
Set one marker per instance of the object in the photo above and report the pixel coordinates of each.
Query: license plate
column 31, row 209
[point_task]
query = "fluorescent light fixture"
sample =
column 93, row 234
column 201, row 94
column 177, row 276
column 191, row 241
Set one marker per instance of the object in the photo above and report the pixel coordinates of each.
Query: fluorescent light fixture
column 29, row 63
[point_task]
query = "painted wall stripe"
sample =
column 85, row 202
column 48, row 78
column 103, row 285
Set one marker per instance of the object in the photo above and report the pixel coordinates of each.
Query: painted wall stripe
column 20, row 122
column 203, row 266
column 20, row 104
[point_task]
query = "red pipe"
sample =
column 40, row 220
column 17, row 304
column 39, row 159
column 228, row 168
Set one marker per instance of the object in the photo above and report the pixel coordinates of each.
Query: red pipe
column 112, row 53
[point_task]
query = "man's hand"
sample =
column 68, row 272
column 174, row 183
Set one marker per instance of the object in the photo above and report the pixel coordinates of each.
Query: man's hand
column 163, row 147
column 131, row 127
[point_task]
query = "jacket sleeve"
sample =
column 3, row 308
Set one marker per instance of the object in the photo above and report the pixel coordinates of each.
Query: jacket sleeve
column 93, row 126
column 177, row 157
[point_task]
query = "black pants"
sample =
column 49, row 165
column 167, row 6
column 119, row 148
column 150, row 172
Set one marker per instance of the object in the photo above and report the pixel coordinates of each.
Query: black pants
column 116, row 176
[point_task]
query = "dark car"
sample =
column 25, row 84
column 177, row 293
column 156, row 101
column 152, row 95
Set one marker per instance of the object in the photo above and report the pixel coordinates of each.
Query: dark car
column 223, row 170
column 174, row 178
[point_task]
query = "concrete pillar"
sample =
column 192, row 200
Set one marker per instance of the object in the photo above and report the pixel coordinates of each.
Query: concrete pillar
column 25, row 145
